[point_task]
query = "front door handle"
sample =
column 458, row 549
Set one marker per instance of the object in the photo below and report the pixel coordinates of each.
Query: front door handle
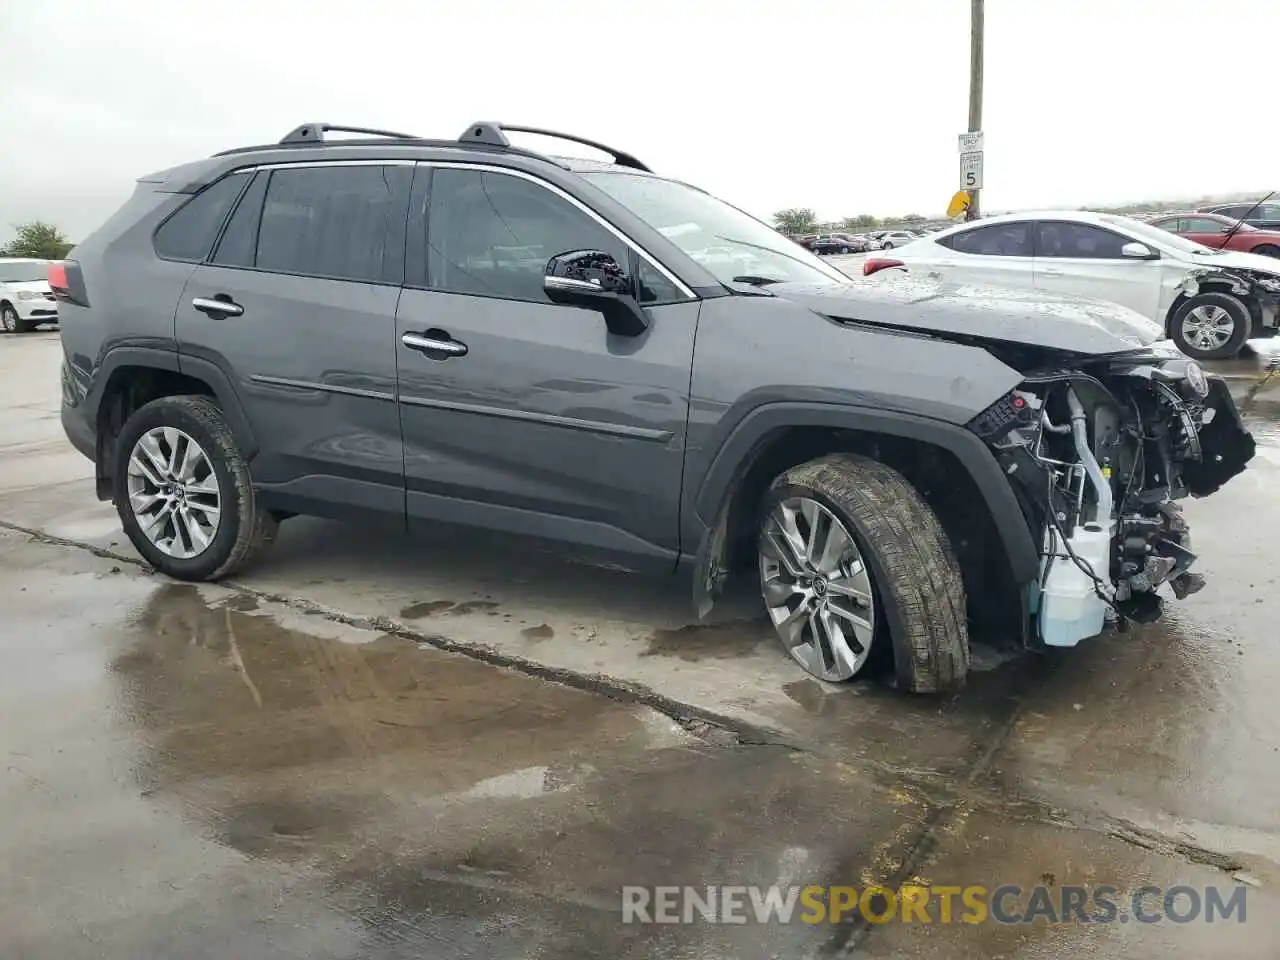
column 436, row 344
column 218, row 306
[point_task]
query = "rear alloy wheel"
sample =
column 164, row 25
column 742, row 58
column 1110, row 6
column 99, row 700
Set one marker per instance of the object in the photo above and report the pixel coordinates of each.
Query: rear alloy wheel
column 183, row 490
column 1211, row 326
column 854, row 566
column 1267, row 250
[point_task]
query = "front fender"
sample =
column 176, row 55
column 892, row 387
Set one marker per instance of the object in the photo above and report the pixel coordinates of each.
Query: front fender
column 707, row 508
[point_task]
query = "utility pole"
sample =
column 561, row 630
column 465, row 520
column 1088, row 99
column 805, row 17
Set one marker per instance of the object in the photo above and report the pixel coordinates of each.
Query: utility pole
column 975, row 86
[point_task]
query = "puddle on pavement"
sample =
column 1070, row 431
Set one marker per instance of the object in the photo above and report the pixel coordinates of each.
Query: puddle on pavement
column 709, row 641
column 274, row 736
column 430, row 608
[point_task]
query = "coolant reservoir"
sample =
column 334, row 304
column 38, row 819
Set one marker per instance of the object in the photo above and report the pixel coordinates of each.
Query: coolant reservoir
column 1070, row 608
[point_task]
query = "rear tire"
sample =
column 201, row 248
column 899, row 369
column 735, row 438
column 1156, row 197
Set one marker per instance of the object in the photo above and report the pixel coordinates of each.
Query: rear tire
column 1211, row 326
column 1267, row 250
column 243, row 528
column 917, row 606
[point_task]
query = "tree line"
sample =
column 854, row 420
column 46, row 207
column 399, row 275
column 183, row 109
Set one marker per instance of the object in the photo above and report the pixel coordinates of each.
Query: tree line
column 39, row 241
column 805, row 220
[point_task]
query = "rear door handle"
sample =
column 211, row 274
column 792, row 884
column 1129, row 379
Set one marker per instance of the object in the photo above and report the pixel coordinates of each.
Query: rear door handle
column 436, row 344
column 218, row 306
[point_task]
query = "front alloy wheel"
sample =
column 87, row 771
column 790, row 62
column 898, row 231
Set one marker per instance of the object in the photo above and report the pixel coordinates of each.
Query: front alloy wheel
column 8, row 319
column 174, row 492
column 1211, row 326
column 817, row 589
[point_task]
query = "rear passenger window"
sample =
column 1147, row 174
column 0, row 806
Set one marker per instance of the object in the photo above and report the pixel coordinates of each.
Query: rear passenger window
column 239, row 244
column 994, row 240
column 344, row 222
column 189, row 233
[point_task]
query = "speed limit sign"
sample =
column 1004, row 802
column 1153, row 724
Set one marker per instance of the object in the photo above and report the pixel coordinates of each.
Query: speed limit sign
column 971, row 171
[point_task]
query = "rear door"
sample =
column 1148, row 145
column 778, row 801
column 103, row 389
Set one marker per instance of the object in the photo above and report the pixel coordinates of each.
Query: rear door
column 297, row 306
column 534, row 418
column 1086, row 260
column 997, row 253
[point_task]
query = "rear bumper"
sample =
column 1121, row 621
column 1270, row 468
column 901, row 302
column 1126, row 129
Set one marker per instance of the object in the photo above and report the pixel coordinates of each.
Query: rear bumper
column 79, row 431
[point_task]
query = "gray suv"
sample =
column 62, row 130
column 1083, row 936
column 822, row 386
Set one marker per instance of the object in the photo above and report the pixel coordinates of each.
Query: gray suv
column 590, row 355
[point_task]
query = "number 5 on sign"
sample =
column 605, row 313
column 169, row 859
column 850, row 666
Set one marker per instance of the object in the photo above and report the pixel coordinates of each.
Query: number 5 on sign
column 971, row 171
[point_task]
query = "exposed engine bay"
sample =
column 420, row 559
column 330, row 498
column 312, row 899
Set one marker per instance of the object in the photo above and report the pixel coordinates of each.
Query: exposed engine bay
column 1098, row 456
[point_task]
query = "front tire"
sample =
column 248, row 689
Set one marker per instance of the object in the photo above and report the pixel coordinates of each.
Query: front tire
column 1211, row 326
column 183, row 490
column 886, row 246
column 10, row 322
column 853, row 562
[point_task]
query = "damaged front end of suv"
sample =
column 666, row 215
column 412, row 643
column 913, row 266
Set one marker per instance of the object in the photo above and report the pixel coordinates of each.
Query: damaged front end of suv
column 1098, row 454
column 1101, row 428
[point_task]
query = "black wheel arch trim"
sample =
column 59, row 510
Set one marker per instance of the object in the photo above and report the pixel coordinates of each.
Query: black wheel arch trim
column 739, row 449
column 157, row 358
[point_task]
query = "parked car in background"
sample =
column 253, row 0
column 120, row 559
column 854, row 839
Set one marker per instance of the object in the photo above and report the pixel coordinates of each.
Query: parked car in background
column 25, row 298
column 891, row 239
column 830, row 243
column 1264, row 216
column 1209, row 301
column 1219, row 232
column 857, row 243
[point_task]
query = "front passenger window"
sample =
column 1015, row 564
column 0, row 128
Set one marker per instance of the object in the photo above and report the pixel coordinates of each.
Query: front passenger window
column 491, row 234
column 1079, row 241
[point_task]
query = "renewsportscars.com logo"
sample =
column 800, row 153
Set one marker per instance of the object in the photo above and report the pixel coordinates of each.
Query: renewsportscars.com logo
column 1007, row 904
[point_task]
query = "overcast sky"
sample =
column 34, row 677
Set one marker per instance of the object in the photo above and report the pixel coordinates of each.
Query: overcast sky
column 846, row 106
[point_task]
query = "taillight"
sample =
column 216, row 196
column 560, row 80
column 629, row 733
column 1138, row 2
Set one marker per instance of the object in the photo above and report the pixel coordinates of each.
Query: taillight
column 67, row 283
column 876, row 264
column 58, row 276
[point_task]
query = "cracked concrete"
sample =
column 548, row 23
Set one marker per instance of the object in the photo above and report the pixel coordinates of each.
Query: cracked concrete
column 369, row 747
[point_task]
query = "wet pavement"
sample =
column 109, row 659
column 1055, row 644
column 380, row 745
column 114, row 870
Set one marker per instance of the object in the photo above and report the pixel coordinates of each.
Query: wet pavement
column 367, row 747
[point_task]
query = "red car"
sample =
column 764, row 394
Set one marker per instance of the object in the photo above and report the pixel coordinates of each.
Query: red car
column 1211, row 229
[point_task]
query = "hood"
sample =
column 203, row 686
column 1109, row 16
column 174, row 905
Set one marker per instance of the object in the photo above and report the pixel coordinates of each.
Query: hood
column 1235, row 260
column 963, row 310
column 40, row 286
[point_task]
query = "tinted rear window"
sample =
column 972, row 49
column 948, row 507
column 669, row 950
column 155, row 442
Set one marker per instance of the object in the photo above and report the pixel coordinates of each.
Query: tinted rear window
column 189, row 233
column 344, row 222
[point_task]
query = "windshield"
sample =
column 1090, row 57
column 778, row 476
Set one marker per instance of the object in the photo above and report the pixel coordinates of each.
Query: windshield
column 728, row 243
column 22, row 272
column 1159, row 237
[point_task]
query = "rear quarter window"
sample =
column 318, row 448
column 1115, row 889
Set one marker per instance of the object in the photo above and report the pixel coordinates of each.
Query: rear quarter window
column 189, row 233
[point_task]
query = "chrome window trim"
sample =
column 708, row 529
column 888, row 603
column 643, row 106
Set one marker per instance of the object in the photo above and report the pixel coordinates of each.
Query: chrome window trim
column 630, row 244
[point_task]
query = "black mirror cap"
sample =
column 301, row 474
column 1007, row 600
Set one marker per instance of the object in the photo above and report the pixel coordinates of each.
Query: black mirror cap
column 595, row 280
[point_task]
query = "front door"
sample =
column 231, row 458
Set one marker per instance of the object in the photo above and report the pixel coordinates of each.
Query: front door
column 526, row 416
column 1085, row 260
column 297, row 306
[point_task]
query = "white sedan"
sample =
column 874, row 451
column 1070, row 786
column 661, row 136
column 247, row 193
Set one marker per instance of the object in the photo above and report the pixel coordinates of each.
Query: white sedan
column 1209, row 301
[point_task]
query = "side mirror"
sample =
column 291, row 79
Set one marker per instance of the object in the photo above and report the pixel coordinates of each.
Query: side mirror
column 1138, row 251
column 595, row 280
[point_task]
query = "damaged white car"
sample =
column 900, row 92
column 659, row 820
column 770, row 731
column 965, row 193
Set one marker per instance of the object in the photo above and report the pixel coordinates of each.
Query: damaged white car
column 1208, row 301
